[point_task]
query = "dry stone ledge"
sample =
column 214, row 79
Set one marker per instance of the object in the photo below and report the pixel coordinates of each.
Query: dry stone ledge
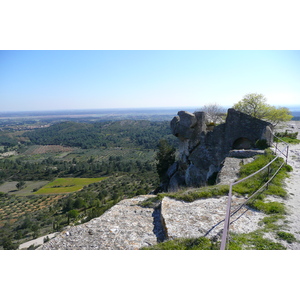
column 126, row 226
column 231, row 169
column 199, row 218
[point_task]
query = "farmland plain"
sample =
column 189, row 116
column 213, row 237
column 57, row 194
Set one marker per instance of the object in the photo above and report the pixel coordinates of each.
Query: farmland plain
column 81, row 167
column 66, row 185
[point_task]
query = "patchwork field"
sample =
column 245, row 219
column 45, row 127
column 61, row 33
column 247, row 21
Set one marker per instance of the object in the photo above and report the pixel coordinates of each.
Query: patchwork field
column 39, row 149
column 67, row 185
column 11, row 210
column 30, row 186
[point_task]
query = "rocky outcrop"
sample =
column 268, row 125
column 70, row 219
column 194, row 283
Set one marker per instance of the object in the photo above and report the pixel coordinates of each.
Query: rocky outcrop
column 202, row 152
column 204, row 217
column 126, row 226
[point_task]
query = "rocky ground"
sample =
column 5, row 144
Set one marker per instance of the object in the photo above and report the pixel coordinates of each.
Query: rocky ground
column 293, row 187
column 126, row 226
column 204, row 217
column 293, row 201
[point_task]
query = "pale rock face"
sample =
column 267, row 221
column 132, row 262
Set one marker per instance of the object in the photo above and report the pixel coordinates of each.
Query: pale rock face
column 126, row 226
column 204, row 217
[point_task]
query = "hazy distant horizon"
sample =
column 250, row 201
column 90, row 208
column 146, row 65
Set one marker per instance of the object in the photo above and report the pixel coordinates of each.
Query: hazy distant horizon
column 109, row 79
column 97, row 111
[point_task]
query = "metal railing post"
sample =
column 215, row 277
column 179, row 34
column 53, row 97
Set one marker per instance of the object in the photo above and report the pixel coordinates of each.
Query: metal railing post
column 227, row 217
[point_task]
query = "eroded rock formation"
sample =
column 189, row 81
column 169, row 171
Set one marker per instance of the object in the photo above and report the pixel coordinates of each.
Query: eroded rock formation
column 202, row 151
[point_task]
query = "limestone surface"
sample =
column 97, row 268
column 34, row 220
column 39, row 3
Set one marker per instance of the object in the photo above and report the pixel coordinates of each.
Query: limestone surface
column 126, row 226
column 204, row 217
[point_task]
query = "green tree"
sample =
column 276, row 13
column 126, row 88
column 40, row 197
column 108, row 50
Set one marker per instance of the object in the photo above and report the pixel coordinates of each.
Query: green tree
column 20, row 184
column 72, row 214
column 278, row 115
column 165, row 158
column 256, row 106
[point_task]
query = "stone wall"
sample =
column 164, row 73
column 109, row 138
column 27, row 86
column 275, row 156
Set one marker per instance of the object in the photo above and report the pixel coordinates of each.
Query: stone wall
column 202, row 151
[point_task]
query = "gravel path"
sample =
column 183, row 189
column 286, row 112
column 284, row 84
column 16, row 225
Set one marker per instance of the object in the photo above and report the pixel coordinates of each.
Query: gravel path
column 293, row 202
column 293, row 188
column 38, row 241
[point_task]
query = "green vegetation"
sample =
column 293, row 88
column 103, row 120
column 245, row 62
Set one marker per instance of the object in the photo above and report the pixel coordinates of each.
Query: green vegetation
column 252, row 241
column 255, row 105
column 152, row 202
column 289, row 237
column 165, row 158
column 288, row 137
column 201, row 243
column 252, row 184
column 128, row 133
column 122, row 152
column 74, row 158
column 268, row 208
column 21, row 184
column 270, row 223
column 275, row 210
column 67, row 185
column 50, row 213
column 203, row 192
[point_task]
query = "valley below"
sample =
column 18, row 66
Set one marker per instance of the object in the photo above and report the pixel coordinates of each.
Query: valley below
column 93, row 185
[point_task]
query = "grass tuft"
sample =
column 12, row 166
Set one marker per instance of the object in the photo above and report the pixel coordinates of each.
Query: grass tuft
column 251, row 241
column 204, row 192
column 289, row 237
column 201, row 243
column 269, row 207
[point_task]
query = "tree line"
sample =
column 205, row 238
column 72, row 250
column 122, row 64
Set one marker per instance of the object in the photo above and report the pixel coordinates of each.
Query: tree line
column 48, row 169
column 141, row 134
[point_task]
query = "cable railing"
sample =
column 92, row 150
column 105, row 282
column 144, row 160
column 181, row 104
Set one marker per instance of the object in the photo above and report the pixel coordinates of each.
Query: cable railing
column 229, row 214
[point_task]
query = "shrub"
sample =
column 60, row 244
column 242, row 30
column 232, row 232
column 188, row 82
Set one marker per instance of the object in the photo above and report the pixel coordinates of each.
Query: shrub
column 252, row 240
column 289, row 237
column 261, row 144
column 270, row 222
column 269, row 207
column 291, row 135
column 201, row 243
column 204, row 192
column 288, row 137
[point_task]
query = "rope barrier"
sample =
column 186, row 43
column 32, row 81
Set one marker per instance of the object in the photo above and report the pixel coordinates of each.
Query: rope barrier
column 228, row 207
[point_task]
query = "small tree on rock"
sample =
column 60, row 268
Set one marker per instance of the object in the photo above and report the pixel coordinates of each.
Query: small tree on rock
column 256, row 106
column 214, row 112
column 165, row 158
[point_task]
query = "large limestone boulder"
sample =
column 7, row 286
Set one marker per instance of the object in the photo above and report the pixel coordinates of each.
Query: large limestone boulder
column 182, row 125
column 126, row 226
column 204, row 217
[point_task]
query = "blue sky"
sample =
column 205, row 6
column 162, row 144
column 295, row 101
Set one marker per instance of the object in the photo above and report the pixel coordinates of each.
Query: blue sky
column 55, row 80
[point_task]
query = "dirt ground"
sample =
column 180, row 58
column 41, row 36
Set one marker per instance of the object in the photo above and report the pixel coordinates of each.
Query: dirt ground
column 10, row 187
